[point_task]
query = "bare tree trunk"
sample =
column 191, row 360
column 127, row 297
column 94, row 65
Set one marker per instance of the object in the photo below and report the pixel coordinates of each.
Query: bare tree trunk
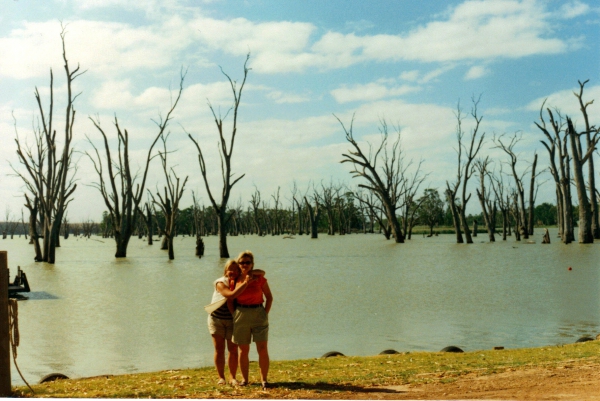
column 314, row 214
column 591, row 143
column 586, row 235
column 226, row 151
column 531, row 210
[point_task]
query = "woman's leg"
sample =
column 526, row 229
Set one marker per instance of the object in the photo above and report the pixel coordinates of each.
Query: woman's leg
column 244, row 360
column 232, row 359
column 263, row 359
column 219, row 343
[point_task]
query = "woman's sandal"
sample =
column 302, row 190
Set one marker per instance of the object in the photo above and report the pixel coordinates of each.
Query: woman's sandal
column 265, row 385
column 243, row 383
column 221, row 382
column 234, row 382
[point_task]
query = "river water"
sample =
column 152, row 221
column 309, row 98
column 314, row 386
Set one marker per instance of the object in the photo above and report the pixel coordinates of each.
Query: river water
column 90, row 314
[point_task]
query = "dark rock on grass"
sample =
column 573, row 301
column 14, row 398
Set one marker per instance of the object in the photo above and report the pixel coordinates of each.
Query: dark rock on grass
column 451, row 348
column 52, row 377
column 389, row 352
column 332, row 353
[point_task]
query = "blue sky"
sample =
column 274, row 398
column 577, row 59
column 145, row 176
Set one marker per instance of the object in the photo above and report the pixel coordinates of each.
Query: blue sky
column 409, row 62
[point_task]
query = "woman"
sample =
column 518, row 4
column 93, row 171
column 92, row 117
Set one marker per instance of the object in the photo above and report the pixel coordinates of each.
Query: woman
column 250, row 319
column 220, row 322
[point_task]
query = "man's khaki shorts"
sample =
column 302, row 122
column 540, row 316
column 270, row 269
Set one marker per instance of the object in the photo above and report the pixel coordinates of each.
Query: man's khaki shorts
column 220, row 327
column 250, row 324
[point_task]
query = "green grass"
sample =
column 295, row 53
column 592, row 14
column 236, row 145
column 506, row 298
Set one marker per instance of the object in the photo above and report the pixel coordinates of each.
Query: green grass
column 320, row 378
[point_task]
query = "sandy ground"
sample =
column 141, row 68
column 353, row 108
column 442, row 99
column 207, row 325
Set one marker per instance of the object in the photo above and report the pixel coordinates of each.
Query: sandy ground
column 568, row 382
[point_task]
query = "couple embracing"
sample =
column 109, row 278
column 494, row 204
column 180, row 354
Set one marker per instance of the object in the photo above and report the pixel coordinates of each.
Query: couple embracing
column 240, row 318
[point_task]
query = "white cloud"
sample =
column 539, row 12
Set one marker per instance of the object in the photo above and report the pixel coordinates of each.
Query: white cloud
column 369, row 92
column 281, row 97
column 475, row 72
column 100, row 47
column 573, row 9
column 411, row 75
column 566, row 102
column 474, row 30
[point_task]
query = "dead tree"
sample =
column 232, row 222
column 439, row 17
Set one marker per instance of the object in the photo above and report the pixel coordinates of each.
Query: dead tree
column 464, row 173
column 556, row 145
column 591, row 173
column 255, row 203
column 328, row 198
column 408, row 202
column 24, row 226
column 147, row 218
column 508, row 148
column 225, row 153
column 169, row 201
column 488, row 207
column 298, row 204
column 277, row 225
column 516, row 214
column 373, row 203
column 66, row 227
column 532, row 192
column 579, row 158
column 388, row 185
column 49, row 170
column 314, row 213
column 502, row 201
column 120, row 190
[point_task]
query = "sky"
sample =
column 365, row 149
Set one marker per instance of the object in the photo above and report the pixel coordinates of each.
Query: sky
column 410, row 63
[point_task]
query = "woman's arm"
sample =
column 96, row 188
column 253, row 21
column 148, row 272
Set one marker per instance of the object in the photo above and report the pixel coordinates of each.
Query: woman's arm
column 230, row 306
column 257, row 272
column 268, row 296
column 229, row 294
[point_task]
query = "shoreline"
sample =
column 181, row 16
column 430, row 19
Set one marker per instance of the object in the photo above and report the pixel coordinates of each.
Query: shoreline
column 408, row 375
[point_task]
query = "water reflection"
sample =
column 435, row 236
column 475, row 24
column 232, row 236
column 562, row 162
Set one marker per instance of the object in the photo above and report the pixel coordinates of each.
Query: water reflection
column 357, row 294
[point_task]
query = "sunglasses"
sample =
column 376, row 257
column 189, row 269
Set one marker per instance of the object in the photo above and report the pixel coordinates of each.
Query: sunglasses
column 245, row 263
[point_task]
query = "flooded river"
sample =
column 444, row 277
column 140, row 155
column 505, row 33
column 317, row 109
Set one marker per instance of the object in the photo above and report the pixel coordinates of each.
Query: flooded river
column 90, row 314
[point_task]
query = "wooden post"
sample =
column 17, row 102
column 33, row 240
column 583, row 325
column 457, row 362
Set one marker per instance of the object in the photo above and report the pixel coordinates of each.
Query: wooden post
column 5, row 389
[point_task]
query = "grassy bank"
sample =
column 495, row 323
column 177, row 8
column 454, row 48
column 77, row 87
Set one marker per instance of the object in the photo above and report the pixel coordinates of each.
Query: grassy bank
column 336, row 377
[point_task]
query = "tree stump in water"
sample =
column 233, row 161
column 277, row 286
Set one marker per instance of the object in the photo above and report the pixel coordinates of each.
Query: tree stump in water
column 199, row 247
column 546, row 238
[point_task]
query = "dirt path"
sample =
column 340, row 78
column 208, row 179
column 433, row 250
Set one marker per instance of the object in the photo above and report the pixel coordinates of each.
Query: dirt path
column 568, row 382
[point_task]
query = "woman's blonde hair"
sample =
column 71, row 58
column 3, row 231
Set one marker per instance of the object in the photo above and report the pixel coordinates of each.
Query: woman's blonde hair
column 232, row 265
column 245, row 254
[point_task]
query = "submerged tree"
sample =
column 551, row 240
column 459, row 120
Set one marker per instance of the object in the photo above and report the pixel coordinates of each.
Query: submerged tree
column 558, row 152
column 387, row 182
column 464, row 173
column 119, row 187
column 591, row 143
column 580, row 157
column 169, row 201
column 225, row 153
column 49, row 170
